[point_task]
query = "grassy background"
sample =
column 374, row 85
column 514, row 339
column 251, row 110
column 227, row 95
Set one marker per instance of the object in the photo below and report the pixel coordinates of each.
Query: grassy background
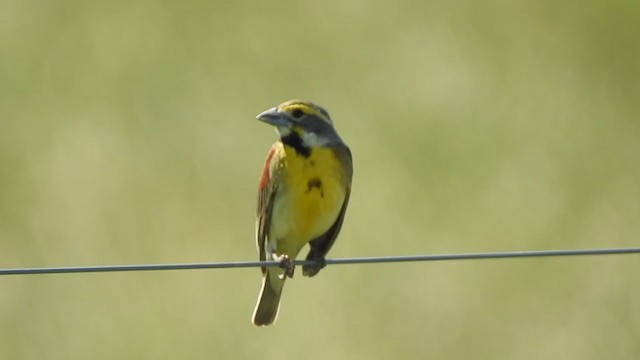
column 127, row 135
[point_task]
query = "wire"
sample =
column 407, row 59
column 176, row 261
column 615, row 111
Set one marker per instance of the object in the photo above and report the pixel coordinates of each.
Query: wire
column 361, row 260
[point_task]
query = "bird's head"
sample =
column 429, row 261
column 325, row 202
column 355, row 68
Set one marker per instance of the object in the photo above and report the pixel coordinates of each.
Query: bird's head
column 305, row 119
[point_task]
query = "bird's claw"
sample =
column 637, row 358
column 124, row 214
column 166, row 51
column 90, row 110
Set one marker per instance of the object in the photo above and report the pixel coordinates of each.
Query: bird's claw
column 312, row 270
column 286, row 264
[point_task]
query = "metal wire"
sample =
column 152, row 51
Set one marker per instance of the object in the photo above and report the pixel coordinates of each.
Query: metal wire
column 361, row 260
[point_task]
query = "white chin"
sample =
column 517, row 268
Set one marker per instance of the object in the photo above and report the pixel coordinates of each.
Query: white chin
column 283, row 131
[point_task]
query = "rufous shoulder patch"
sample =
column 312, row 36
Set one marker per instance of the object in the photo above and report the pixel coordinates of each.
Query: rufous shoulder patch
column 264, row 178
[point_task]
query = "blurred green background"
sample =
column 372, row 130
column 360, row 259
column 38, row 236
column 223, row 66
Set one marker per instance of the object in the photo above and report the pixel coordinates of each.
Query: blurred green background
column 127, row 136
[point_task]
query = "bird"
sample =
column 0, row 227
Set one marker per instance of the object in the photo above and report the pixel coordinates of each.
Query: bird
column 303, row 195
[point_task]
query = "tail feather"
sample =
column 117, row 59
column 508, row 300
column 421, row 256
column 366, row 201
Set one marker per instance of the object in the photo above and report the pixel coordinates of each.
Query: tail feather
column 266, row 310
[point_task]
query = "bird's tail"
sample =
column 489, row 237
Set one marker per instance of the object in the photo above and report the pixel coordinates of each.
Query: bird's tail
column 266, row 309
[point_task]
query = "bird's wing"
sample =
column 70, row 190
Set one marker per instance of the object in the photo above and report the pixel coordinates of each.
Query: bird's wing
column 266, row 194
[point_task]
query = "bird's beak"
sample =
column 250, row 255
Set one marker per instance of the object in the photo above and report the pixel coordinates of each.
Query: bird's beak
column 273, row 117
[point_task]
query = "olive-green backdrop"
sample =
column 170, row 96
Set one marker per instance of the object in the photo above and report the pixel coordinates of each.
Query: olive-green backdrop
column 128, row 136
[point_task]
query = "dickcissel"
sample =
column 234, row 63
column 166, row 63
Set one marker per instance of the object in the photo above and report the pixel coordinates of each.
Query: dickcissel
column 302, row 196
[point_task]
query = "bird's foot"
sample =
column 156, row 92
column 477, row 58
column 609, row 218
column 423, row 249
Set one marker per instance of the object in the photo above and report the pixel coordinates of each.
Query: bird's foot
column 285, row 263
column 312, row 270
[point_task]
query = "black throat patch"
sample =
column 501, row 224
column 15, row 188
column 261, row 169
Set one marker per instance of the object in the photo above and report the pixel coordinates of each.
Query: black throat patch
column 295, row 141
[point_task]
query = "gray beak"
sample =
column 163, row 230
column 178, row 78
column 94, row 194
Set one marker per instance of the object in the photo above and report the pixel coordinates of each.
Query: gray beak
column 273, row 117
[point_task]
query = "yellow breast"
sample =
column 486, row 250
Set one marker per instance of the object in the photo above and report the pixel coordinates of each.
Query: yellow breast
column 309, row 198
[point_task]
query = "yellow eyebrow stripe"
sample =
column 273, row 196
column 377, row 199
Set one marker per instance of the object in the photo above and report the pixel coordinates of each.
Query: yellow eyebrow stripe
column 307, row 108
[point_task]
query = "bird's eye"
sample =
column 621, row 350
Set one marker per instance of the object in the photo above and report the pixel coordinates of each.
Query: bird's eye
column 297, row 113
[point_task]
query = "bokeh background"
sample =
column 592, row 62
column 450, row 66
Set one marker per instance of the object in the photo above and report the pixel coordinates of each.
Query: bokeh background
column 127, row 136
